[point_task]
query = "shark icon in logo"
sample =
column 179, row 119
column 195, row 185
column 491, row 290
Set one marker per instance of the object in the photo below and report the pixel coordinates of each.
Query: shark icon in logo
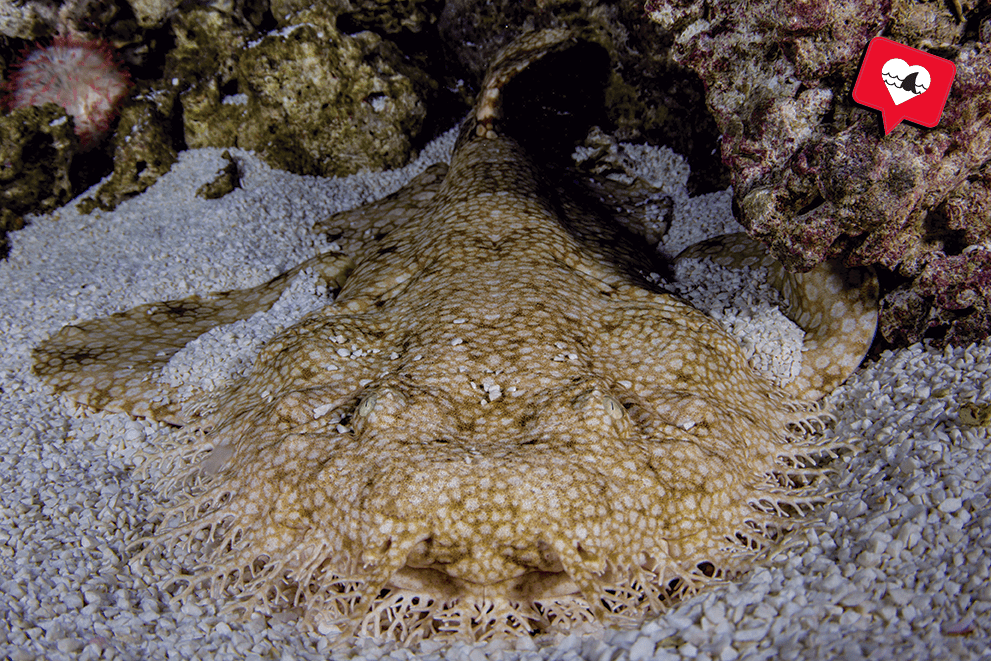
column 904, row 82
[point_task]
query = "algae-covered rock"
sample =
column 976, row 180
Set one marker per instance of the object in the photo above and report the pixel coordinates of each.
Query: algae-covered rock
column 152, row 13
column 952, row 295
column 226, row 180
column 37, row 144
column 328, row 104
column 382, row 16
column 813, row 174
column 26, row 20
column 211, row 119
column 313, row 101
column 208, row 42
column 9, row 222
column 143, row 152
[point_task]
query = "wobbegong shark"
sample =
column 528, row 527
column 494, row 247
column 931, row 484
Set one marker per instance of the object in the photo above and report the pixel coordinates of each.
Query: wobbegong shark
column 500, row 425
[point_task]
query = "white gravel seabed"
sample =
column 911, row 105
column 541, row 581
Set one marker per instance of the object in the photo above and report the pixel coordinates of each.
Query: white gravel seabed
column 899, row 568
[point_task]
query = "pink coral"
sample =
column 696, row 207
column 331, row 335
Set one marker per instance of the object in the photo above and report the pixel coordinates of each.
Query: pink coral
column 81, row 76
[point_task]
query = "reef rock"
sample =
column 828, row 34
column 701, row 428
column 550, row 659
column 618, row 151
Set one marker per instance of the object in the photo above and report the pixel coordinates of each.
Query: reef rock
column 381, row 16
column 143, row 152
column 815, row 177
column 311, row 100
column 37, row 144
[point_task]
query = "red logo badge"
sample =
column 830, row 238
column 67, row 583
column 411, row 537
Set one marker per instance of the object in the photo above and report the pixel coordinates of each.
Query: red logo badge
column 903, row 83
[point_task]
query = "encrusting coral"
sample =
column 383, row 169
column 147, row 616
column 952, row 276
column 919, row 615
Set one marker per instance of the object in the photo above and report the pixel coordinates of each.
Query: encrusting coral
column 499, row 426
column 815, row 177
column 312, row 99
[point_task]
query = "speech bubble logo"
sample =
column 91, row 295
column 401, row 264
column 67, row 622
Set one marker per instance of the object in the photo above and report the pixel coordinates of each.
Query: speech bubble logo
column 903, row 83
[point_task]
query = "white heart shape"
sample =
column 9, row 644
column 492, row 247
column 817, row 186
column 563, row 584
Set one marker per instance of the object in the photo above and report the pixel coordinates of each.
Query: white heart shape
column 904, row 82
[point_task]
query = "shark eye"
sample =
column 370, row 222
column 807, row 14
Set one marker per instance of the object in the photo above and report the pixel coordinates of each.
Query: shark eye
column 367, row 405
column 381, row 406
column 601, row 409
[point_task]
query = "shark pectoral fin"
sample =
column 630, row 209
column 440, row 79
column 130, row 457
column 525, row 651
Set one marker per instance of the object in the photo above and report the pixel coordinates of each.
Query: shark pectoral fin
column 111, row 363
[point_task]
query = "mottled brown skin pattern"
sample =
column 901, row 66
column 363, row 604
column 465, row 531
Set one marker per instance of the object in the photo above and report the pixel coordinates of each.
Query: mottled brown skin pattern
column 498, row 427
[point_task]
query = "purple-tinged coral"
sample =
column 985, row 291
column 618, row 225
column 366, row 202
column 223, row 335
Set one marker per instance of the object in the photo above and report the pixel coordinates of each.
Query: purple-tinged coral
column 814, row 176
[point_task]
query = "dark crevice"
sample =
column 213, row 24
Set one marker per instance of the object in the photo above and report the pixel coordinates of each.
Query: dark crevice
column 816, row 202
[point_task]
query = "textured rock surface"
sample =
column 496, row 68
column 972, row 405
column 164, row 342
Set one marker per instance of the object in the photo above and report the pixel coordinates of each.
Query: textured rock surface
column 499, row 425
column 39, row 19
column 28, row 20
column 374, row 107
column 813, row 174
column 307, row 97
column 37, row 145
column 314, row 101
column 143, row 152
column 385, row 17
column 320, row 102
column 152, row 13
